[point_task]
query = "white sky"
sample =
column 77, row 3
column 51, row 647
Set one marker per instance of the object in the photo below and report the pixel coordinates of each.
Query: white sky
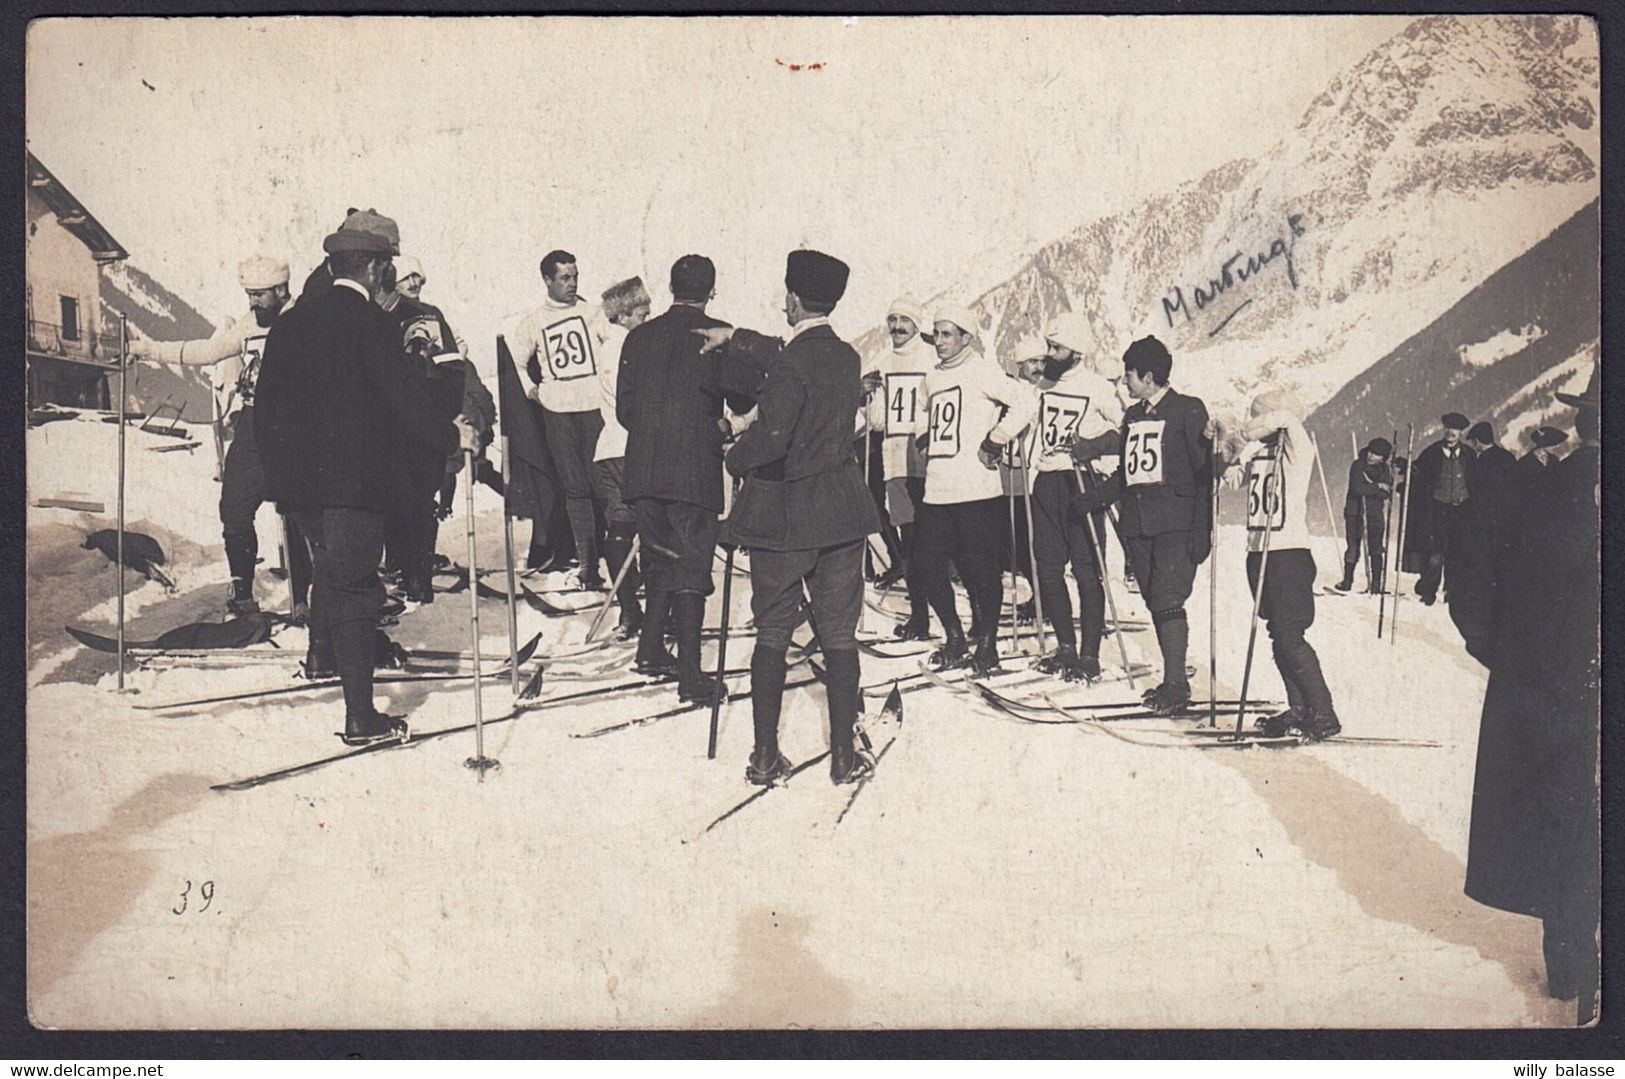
column 925, row 151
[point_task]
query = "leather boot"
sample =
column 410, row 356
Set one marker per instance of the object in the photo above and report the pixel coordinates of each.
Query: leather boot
column 1348, row 578
column 766, row 699
column 688, row 611
column 652, row 657
column 846, row 764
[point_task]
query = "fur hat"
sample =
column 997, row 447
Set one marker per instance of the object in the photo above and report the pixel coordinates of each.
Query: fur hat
column 816, row 277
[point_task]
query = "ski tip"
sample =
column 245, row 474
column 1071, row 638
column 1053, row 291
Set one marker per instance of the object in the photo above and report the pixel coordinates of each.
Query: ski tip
column 533, row 686
column 894, row 702
column 530, row 649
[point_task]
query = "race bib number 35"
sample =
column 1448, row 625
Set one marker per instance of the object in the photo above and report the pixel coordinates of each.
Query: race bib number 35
column 903, row 403
column 569, row 349
column 1266, row 509
column 1059, row 417
column 1142, row 453
column 945, row 410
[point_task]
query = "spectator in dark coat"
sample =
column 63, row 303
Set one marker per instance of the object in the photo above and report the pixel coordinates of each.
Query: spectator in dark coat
column 332, row 404
column 804, row 510
column 1533, row 846
column 1473, row 569
column 1437, row 514
column 670, row 400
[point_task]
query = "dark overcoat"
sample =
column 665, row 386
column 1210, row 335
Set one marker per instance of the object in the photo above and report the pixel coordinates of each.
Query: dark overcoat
column 803, row 489
column 1182, row 502
column 333, row 407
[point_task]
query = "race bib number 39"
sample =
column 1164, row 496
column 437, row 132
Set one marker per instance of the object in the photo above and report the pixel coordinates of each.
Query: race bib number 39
column 1059, row 417
column 1266, row 509
column 1142, row 453
column 569, row 349
column 945, row 414
column 903, row 403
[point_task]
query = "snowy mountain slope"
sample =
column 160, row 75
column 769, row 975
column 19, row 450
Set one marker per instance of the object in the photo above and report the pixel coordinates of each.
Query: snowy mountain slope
column 1444, row 155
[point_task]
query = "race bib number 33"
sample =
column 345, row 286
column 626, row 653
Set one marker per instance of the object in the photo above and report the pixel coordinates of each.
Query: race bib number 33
column 1266, row 509
column 945, row 410
column 903, row 403
column 1142, row 453
column 569, row 349
column 1059, row 417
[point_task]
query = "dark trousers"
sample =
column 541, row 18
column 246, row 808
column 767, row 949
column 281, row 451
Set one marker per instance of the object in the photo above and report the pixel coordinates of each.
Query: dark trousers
column 1061, row 535
column 966, row 534
column 678, row 543
column 1165, row 570
column 346, row 595
column 1444, row 536
column 242, row 492
column 621, row 525
column 1288, row 609
column 571, row 439
column 1369, row 531
column 875, row 477
column 908, row 547
column 834, row 581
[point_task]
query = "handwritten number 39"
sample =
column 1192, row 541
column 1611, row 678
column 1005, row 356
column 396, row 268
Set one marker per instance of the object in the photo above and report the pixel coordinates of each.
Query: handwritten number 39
column 205, row 890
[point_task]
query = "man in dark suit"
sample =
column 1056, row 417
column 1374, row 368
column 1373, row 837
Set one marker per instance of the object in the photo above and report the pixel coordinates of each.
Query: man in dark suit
column 1437, row 513
column 669, row 398
column 334, row 413
column 804, row 510
column 1165, row 483
column 1365, row 514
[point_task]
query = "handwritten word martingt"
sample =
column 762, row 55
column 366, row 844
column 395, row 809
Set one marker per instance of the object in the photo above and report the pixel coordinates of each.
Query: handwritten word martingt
column 1232, row 275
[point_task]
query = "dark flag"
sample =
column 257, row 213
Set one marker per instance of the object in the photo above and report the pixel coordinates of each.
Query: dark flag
column 532, row 486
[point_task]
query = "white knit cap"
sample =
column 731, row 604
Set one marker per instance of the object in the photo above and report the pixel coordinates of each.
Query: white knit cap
column 960, row 316
column 1073, row 330
column 258, row 272
column 406, row 266
column 911, row 309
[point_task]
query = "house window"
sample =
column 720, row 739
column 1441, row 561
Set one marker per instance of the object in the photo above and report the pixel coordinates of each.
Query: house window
column 70, row 319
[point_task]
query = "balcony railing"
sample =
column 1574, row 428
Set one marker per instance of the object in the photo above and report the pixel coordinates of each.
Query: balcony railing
column 46, row 339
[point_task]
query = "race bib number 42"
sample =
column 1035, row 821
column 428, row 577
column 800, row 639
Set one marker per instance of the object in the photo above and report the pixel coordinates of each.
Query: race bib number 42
column 569, row 349
column 945, row 410
column 1266, row 509
column 1059, row 417
column 903, row 403
column 1142, row 453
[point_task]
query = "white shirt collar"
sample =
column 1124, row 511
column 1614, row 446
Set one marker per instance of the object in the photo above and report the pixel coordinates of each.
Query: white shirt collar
column 1156, row 399
column 358, row 286
column 804, row 325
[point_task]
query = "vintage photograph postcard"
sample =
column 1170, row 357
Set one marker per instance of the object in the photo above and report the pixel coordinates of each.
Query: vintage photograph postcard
column 824, row 522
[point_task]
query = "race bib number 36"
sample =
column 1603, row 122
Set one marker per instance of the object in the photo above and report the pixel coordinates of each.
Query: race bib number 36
column 1142, row 453
column 903, row 403
column 1059, row 417
column 1266, row 509
column 569, row 349
column 945, row 410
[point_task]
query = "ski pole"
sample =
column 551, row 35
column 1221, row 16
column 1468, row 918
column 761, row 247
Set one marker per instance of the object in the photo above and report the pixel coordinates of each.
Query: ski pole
column 1032, row 558
column 1212, row 606
column 1404, row 521
column 1273, row 480
column 479, row 761
column 722, row 652
column 1106, row 579
column 615, row 588
column 123, row 367
column 1015, row 621
column 513, row 584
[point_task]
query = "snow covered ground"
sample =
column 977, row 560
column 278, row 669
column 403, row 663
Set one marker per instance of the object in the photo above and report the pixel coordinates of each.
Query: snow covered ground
column 994, row 873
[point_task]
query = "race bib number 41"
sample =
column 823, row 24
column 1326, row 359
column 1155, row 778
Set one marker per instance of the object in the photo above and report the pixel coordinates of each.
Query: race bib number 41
column 569, row 349
column 945, row 410
column 1266, row 509
column 1059, row 417
column 903, row 403
column 1142, row 453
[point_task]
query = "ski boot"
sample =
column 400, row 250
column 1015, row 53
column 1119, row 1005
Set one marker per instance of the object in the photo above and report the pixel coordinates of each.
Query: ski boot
column 764, row 773
column 1059, row 661
column 420, row 590
column 1170, row 700
column 241, row 600
column 320, row 662
column 701, row 689
column 392, row 607
column 889, row 578
column 373, row 729
column 630, row 623
column 1318, row 726
column 1027, row 612
column 985, row 660
column 387, row 655
column 663, row 666
column 848, row 764
column 299, row 614
column 1347, row 582
column 916, row 628
column 1086, row 670
column 953, row 653
column 1280, row 724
